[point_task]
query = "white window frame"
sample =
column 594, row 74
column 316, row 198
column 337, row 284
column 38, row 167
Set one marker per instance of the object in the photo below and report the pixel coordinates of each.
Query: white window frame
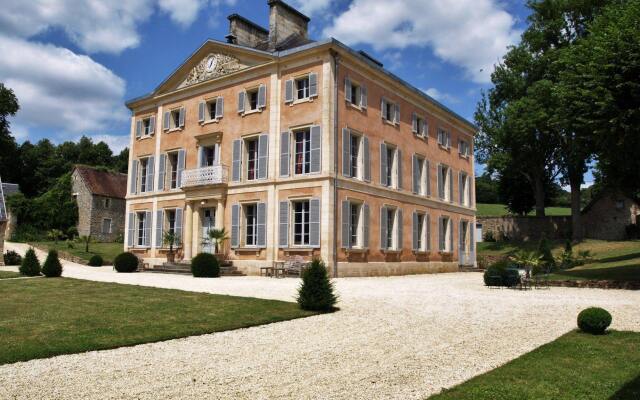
column 171, row 170
column 358, row 229
column 356, row 94
column 306, row 151
column 422, row 127
column 446, row 182
column 393, row 230
column 247, row 99
column 391, row 112
column 358, row 157
column 306, row 224
column 296, row 91
column 110, row 230
column 146, row 127
column 392, row 181
column 174, row 119
column 208, row 104
column 143, row 166
column 245, row 156
column 444, row 138
column 466, row 192
column 140, row 217
column 423, row 237
column 245, row 224
column 464, row 148
column 448, row 232
column 422, row 163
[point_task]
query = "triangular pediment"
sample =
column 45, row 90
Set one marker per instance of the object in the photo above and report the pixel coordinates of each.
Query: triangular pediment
column 212, row 60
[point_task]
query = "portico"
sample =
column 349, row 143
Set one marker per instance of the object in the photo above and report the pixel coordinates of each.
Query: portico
column 204, row 210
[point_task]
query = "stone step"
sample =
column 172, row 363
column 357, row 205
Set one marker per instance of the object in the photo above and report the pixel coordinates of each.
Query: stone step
column 181, row 267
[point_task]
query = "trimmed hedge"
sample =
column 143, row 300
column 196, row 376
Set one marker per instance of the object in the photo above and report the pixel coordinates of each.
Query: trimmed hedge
column 12, row 258
column 30, row 264
column 96, row 261
column 52, row 267
column 594, row 320
column 205, row 265
column 501, row 273
column 316, row 292
column 126, row 262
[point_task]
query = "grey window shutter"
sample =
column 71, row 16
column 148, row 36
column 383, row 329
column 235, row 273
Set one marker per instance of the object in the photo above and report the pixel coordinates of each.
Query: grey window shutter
column 383, row 164
column 396, row 119
column 150, row 173
column 314, row 222
column 415, row 175
column 262, row 225
column 460, row 188
column 414, row 122
column 347, row 90
column 427, row 177
column 283, row 225
column 346, row 152
column 235, row 225
column 346, row 224
column 179, row 225
column 460, row 236
column 399, row 231
column 383, row 228
column 159, row 228
column 425, row 129
column 441, row 231
column 288, row 91
column 363, row 96
column 365, row 228
column 414, row 226
column 383, row 109
column 181, row 117
column 134, row 177
column 313, row 84
column 219, row 107
column 131, row 230
column 450, row 185
column 236, row 163
column 263, row 156
column 440, row 183
column 451, row 233
column 167, row 120
column 201, row 107
column 472, row 241
column 181, row 161
column 427, row 221
column 241, row 95
column 162, row 171
column 152, row 125
column 138, row 128
column 365, row 159
column 262, row 96
column 147, row 229
column 284, row 154
column 448, row 139
column 399, row 156
column 316, row 143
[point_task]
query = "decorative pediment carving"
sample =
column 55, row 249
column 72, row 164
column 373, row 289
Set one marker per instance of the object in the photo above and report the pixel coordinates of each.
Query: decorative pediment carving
column 212, row 66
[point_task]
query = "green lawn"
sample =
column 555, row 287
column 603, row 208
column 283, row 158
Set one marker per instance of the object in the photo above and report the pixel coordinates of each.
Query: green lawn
column 576, row 366
column 499, row 210
column 51, row 316
column 108, row 251
column 9, row 274
column 611, row 260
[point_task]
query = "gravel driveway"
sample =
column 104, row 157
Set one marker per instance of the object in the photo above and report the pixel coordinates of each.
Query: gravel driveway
column 399, row 337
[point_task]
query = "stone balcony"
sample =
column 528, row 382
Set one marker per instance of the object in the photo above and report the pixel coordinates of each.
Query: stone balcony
column 205, row 176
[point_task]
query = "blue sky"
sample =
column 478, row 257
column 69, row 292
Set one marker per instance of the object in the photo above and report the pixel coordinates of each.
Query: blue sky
column 74, row 63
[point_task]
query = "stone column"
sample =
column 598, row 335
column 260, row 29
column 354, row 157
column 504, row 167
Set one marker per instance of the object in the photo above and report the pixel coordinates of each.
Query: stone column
column 195, row 230
column 188, row 231
column 220, row 214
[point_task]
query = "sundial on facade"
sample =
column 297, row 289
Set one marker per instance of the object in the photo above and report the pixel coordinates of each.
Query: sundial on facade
column 212, row 66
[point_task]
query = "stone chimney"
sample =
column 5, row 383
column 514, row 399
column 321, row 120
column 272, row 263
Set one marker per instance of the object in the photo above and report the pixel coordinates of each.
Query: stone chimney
column 245, row 33
column 285, row 21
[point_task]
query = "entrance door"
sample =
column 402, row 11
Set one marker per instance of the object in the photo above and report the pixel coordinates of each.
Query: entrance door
column 208, row 216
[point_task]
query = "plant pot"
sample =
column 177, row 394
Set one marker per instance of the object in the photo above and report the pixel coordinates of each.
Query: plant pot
column 221, row 257
column 171, row 257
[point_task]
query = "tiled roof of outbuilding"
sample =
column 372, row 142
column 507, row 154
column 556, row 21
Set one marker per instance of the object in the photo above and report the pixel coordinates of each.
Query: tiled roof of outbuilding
column 103, row 183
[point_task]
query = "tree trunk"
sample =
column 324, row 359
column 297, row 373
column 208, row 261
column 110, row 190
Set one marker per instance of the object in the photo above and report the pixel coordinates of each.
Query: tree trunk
column 538, row 191
column 576, row 220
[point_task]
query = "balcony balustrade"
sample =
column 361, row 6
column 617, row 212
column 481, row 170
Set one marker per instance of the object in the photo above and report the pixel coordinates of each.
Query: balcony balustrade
column 205, row 176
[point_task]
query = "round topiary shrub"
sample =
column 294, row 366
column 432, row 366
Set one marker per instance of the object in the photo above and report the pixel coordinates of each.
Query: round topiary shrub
column 594, row 320
column 501, row 273
column 126, row 262
column 30, row 264
column 96, row 261
column 12, row 258
column 205, row 265
column 316, row 291
column 52, row 267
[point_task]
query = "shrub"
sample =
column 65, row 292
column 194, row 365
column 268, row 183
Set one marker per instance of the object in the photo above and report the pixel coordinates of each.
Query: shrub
column 316, row 291
column 12, row 258
column 52, row 267
column 205, row 265
column 501, row 273
column 548, row 263
column 30, row 264
column 633, row 230
column 96, row 261
column 126, row 262
column 594, row 320
column 488, row 236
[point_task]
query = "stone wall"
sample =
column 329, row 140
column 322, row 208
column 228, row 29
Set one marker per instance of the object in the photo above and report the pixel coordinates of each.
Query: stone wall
column 526, row 228
column 607, row 218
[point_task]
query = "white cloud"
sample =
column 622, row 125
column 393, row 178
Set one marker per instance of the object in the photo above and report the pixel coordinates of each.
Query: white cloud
column 311, row 7
column 440, row 96
column 472, row 34
column 394, row 58
column 116, row 143
column 59, row 90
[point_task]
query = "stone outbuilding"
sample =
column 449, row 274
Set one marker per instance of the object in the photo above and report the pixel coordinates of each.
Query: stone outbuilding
column 607, row 216
column 100, row 196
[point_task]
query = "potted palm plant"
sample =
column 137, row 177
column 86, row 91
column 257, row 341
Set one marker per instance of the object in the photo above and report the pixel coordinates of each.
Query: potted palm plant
column 218, row 237
column 171, row 239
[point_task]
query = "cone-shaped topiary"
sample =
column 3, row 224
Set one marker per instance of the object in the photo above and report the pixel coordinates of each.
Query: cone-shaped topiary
column 544, row 249
column 594, row 320
column 96, row 261
column 52, row 267
column 205, row 265
column 316, row 291
column 126, row 262
column 30, row 264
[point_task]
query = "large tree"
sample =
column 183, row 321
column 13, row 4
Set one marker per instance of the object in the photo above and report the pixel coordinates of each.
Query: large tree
column 8, row 146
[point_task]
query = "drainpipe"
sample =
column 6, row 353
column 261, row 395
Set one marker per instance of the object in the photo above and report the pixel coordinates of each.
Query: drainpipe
column 336, row 60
